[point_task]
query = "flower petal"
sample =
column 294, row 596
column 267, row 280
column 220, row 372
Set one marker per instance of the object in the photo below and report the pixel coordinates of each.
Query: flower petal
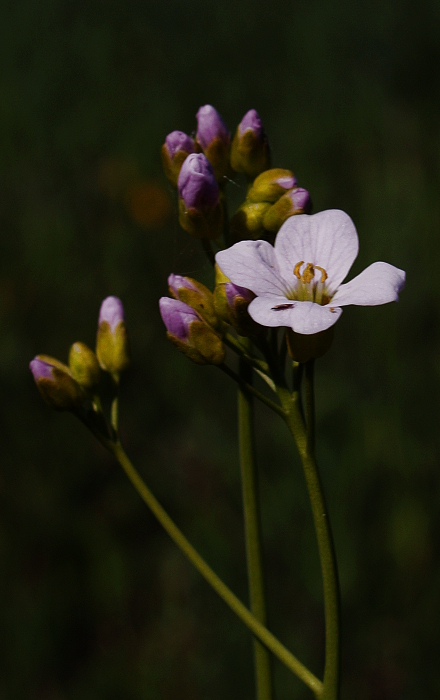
column 302, row 316
column 379, row 283
column 252, row 264
column 327, row 239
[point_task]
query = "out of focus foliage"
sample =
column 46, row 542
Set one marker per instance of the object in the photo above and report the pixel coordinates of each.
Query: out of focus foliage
column 95, row 601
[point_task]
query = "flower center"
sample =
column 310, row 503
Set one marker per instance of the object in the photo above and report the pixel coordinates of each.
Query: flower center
column 310, row 285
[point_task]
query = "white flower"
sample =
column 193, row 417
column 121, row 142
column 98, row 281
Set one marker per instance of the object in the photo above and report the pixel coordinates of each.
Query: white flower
column 298, row 282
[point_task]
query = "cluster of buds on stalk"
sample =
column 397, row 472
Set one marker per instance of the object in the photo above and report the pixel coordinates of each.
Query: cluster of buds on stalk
column 75, row 386
column 200, row 166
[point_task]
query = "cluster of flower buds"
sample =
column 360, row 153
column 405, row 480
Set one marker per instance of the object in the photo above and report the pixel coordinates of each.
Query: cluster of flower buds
column 70, row 387
column 272, row 198
column 192, row 322
column 200, row 168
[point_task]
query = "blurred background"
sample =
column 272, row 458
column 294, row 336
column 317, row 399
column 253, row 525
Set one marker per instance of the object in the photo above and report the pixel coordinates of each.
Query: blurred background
column 96, row 602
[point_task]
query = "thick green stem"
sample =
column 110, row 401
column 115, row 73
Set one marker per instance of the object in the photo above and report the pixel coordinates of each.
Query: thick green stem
column 256, row 627
column 304, row 441
column 263, row 670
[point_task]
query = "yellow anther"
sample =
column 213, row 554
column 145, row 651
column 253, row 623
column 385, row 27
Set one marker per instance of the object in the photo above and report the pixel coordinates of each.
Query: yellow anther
column 296, row 269
column 324, row 275
column 308, row 273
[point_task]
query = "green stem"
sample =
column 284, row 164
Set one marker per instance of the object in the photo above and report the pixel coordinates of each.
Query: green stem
column 256, row 627
column 243, row 351
column 263, row 671
column 248, row 387
column 304, row 441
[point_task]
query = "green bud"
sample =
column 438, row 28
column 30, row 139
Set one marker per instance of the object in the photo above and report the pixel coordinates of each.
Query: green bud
column 112, row 348
column 247, row 222
column 203, row 346
column 270, row 185
column 56, row 384
column 84, row 366
column 303, row 347
column 295, row 201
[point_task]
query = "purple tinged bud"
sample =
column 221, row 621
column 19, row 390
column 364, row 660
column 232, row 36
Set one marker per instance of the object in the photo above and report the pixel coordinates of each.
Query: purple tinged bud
column 41, row 369
column 112, row 312
column 300, row 199
column 179, row 141
column 177, row 317
column 251, row 121
column 197, row 185
column 287, row 182
column 233, row 291
column 176, row 282
column 210, row 126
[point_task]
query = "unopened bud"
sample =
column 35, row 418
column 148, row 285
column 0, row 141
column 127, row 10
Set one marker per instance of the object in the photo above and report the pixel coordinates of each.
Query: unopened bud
column 250, row 152
column 175, row 150
column 247, row 222
column 231, row 303
column 197, row 296
column 214, row 139
column 271, row 185
column 84, row 366
column 112, row 348
column 56, row 384
column 200, row 209
column 295, row 201
column 189, row 332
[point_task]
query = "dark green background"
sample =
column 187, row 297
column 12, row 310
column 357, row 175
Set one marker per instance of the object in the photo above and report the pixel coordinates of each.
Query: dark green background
column 96, row 602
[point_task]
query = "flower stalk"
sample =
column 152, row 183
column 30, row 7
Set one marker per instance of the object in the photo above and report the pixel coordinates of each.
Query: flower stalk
column 243, row 613
column 252, row 526
column 304, row 437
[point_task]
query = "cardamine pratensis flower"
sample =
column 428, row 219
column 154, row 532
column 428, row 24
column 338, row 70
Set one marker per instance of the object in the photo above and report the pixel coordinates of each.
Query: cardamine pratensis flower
column 112, row 348
column 298, row 282
column 250, row 153
column 175, row 150
column 200, row 209
column 214, row 139
column 189, row 332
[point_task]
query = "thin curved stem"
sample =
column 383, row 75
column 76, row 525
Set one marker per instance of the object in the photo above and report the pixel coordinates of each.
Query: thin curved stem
column 252, row 525
column 256, row 627
column 304, row 441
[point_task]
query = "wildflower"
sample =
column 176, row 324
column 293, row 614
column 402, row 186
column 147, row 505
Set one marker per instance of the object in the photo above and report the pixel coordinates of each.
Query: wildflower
column 298, row 282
